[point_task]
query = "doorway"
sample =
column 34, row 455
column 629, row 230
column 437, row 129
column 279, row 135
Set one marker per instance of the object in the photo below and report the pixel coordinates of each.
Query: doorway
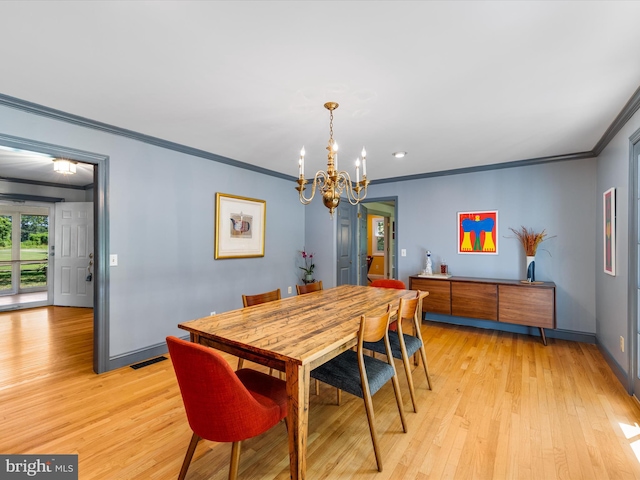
column 99, row 165
column 381, row 244
column 634, row 265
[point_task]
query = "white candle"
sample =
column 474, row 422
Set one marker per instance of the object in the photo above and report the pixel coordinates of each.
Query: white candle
column 335, row 157
column 364, row 162
column 357, row 170
column 301, row 163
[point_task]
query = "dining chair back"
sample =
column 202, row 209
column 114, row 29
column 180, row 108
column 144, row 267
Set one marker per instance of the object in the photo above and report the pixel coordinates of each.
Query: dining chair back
column 403, row 345
column 249, row 300
column 309, row 287
column 257, row 299
column 223, row 405
column 362, row 375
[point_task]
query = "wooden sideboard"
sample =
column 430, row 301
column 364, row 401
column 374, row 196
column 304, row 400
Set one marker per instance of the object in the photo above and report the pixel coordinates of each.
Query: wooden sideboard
column 508, row 301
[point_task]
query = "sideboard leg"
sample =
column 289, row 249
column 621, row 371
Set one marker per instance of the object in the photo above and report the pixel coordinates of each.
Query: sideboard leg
column 544, row 338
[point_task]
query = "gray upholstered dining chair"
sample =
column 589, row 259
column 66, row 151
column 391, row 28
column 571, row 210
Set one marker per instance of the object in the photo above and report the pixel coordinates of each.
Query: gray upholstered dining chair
column 403, row 345
column 362, row 375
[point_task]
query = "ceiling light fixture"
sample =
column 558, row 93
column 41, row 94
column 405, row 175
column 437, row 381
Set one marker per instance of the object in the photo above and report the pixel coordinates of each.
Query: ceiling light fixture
column 333, row 182
column 399, row 154
column 65, row 167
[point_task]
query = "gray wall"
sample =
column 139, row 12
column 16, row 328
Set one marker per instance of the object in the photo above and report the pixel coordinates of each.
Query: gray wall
column 612, row 298
column 161, row 213
column 558, row 197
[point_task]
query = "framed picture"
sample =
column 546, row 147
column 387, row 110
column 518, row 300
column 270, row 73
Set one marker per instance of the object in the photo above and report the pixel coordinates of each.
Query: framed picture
column 609, row 230
column 378, row 235
column 240, row 226
column 478, row 232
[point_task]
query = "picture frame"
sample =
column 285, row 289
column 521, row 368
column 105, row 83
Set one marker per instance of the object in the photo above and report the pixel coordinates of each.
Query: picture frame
column 240, row 225
column 609, row 231
column 478, row 232
column 377, row 243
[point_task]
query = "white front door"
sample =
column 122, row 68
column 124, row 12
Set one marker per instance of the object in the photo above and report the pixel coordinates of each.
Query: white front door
column 73, row 255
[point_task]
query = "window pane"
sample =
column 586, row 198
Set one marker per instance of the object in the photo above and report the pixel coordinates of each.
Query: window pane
column 34, row 245
column 33, row 275
column 5, row 252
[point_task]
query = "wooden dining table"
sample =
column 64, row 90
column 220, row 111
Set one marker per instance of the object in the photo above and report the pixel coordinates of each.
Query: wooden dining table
column 294, row 335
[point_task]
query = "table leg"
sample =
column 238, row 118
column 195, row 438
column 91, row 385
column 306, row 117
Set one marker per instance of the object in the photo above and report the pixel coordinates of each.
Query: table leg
column 298, row 418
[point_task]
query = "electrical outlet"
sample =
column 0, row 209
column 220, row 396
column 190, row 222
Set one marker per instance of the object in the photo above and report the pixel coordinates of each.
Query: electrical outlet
column 622, row 344
column 213, row 313
column 289, row 290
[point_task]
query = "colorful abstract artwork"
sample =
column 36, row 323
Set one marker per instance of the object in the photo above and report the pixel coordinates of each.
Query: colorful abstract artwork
column 609, row 231
column 478, row 232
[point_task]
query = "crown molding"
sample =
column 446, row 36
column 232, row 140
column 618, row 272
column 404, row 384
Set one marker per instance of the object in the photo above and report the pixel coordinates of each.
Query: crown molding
column 484, row 168
column 620, row 121
column 48, row 112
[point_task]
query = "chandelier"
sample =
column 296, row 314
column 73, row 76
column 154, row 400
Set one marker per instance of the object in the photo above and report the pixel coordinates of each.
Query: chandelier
column 333, row 183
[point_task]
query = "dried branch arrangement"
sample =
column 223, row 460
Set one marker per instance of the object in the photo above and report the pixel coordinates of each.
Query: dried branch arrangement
column 529, row 239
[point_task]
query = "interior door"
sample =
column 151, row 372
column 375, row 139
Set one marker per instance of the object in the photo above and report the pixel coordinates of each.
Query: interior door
column 346, row 267
column 73, row 255
column 363, row 222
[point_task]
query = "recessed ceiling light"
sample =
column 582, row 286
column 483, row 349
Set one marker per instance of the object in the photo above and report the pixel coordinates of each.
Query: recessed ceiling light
column 399, row 154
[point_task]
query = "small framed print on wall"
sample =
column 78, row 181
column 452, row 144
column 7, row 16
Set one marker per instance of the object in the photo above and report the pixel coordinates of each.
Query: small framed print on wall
column 240, row 227
column 478, row 232
column 609, row 231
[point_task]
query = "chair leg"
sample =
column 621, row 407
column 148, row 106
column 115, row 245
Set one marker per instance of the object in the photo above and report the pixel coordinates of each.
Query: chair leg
column 240, row 363
column 396, row 389
column 407, row 371
column 189, row 455
column 235, row 460
column 339, row 395
column 423, row 353
column 317, row 387
column 368, row 406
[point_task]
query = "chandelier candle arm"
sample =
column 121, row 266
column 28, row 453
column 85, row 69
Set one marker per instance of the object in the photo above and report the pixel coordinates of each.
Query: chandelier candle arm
column 333, row 182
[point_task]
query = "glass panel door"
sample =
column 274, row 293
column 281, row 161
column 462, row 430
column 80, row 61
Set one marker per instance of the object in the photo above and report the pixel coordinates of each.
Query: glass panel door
column 34, row 252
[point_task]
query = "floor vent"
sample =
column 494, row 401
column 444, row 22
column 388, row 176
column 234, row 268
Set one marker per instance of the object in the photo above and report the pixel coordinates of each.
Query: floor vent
column 148, row 362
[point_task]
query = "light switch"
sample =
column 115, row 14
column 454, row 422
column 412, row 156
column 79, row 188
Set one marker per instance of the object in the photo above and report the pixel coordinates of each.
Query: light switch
column 113, row 260
column 403, row 252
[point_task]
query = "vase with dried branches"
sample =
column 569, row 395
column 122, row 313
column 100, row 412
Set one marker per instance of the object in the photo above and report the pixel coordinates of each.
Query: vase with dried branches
column 530, row 241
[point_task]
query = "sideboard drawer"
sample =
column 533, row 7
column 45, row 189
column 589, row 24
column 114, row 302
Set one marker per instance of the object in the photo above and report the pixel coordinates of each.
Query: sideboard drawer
column 439, row 298
column 474, row 300
column 526, row 305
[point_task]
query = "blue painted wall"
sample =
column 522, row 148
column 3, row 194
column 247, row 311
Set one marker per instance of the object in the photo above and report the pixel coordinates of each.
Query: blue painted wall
column 161, row 211
column 612, row 298
column 161, row 226
column 558, row 197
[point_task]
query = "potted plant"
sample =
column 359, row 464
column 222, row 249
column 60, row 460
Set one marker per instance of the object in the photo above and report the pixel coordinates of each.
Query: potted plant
column 308, row 267
column 530, row 241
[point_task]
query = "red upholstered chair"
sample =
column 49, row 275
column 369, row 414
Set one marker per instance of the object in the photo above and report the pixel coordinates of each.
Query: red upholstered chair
column 389, row 283
column 223, row 405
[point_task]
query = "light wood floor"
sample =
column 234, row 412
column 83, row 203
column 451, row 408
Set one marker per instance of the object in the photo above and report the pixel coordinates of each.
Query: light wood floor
column 503, row 407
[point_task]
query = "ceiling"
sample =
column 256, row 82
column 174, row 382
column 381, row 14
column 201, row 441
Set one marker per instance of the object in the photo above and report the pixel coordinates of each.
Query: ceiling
column 455, row 84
